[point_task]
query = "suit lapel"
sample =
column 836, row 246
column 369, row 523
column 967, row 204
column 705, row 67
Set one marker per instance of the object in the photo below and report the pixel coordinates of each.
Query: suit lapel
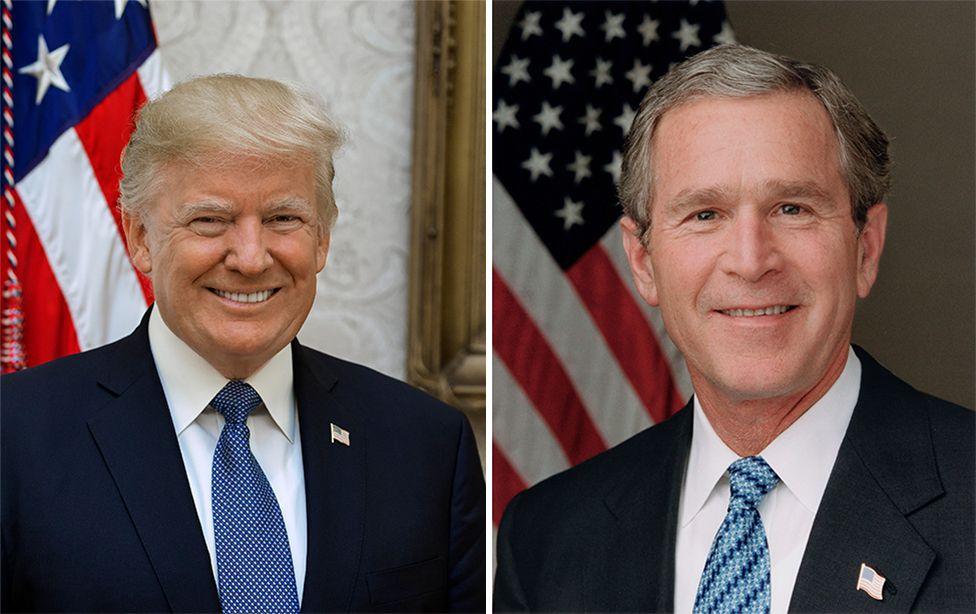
column 636, row 570
column 885, row 470
column 135, row 435
column 335, row 486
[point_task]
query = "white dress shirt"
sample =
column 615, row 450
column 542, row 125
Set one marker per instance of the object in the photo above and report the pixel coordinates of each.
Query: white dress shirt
column 190, row 383
column 802, row 456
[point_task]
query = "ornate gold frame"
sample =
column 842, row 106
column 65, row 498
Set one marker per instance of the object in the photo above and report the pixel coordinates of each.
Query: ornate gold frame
column 446, row 354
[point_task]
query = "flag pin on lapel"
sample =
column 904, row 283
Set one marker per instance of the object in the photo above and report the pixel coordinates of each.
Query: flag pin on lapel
column 342, row 436
column 870, row 581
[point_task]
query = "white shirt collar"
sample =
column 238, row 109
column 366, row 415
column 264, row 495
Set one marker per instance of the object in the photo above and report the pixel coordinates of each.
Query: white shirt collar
column 190, row 382
column 802, row 455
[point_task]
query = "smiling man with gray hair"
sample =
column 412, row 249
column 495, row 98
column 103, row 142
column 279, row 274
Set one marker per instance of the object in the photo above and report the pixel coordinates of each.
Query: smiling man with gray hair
column 209, row 461
column 803, row 475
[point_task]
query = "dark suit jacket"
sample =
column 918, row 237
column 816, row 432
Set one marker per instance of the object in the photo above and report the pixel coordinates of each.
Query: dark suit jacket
column 601, row 536
column 97, row 513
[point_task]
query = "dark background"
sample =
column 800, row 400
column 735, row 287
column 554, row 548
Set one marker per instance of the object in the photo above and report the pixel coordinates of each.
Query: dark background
column 912, row 66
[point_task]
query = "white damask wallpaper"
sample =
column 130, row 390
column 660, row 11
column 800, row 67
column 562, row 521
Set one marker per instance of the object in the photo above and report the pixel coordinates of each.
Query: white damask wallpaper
column 359, row 57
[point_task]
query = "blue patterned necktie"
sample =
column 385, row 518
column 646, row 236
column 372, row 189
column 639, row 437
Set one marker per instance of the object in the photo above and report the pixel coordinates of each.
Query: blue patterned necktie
column 736, row 575
column 254, row 567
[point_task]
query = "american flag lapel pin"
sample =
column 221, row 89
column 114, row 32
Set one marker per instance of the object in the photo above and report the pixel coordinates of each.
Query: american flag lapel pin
column 871, row 582
column 341, row 435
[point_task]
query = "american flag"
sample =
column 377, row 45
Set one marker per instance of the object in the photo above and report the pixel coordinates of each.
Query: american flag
column 871, row 582
column 580, row 362
column 73, row 75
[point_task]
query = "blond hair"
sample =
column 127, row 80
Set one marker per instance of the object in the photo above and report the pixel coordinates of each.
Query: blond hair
column 224, row 119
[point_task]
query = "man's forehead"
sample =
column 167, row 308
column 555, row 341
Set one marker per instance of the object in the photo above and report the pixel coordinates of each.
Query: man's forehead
column 704, row 110
column 225, row 184
column 781, row 138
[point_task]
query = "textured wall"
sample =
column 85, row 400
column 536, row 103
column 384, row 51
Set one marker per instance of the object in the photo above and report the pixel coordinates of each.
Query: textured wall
column 359, row 57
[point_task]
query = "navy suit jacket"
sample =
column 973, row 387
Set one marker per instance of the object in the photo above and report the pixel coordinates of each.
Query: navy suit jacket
column 601, row 536
column 97, row 513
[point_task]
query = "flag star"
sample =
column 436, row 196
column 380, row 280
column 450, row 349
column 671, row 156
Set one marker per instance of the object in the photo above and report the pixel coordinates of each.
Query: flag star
column 602, row 72
column 538, row 164
column 591, row 119
column 580, row 167
column 505, row 115
column 570, row 24
column 614, row 167
column 626, row 118
column 517, row 70
column 530, row 25
column 560, row 72
column 613, row 26
column 648, row 30
column 120, row 7
column 639, row 75
column 726, row 35
column 687, row 34
column 50, row 5
column 548, row 118
column 47, row 68
column 571, row 213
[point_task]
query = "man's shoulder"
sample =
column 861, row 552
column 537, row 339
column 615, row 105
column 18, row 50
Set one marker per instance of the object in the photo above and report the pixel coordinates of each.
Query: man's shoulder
column 379, row 397
column 63, row 382
column 950, row 422
column 575, row 494
column 46, row 409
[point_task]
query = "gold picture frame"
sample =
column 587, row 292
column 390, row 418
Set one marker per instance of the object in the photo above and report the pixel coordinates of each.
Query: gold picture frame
column 447, row 331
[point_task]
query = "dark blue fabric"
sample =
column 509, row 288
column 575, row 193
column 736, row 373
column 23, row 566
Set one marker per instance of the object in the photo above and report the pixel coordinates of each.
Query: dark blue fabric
column 900, row 498
column 97, row 513
column 103, row 51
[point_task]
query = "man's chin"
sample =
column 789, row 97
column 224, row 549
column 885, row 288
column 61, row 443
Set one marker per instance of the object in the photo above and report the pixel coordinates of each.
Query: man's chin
column 760, row 382
column 237, row 357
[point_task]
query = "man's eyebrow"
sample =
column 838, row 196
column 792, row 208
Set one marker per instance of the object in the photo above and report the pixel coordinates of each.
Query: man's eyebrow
column 193, row 209
column 796, row 189
column 693, row 198
column 288, row 203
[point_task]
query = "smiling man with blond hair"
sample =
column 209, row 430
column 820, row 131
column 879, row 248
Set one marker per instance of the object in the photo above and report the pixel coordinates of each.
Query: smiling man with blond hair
column 803, row 476
column 209, row 461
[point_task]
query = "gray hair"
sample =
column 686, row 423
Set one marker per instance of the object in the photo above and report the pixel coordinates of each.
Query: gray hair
column 226, row 119
column 737, row 71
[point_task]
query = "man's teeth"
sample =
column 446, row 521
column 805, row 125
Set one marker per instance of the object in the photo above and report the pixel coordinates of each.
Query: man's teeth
column 240, row 297
column 748, row 313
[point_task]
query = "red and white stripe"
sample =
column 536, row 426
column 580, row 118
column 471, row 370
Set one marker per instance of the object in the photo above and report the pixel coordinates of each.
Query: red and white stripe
column 580, row 361
column 79, row 258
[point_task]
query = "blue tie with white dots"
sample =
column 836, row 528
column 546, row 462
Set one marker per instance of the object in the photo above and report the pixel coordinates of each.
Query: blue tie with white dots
column 254, row 566
column 736, row 575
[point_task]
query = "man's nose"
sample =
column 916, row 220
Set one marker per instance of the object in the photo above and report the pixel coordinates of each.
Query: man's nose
column 247, row 253
column 752, row 250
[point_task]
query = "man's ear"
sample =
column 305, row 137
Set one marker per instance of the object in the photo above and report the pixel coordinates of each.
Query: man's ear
column 322, row 249
column 639, row 260
column 137, row 241
column 870, row 244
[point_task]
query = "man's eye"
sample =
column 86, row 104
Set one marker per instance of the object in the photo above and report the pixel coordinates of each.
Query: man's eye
column 705, row 216
column 791, row 209
column 206, row 220
column 285, row 219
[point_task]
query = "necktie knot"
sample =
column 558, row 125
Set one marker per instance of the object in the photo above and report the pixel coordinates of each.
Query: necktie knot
column 235, row 401
column 751, row 479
